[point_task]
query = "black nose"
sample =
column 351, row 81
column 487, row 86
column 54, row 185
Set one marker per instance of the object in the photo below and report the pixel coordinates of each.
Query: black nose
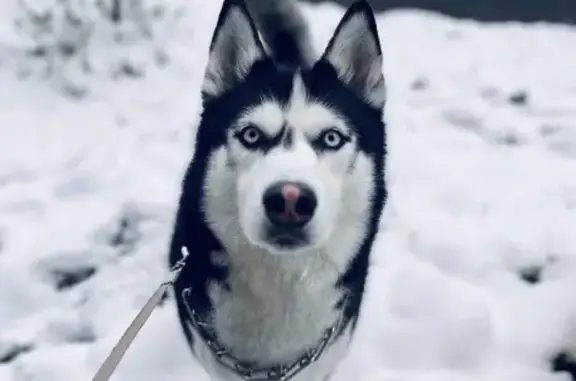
column 289, row 204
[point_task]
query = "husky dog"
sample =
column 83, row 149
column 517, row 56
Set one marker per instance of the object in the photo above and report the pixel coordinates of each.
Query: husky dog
column 281, row 203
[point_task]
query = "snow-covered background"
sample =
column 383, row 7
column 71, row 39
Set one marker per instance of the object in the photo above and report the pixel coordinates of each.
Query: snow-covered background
column 474, row 273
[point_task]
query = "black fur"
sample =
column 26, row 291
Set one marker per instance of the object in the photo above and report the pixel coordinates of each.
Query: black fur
column 284, row 31
column 265, row 80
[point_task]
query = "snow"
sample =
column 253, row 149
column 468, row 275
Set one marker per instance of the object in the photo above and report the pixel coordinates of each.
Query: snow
column 482, row 175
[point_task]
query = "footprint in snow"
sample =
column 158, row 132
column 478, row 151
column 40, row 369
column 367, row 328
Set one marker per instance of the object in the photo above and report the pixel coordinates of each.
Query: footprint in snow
column 128, row 228
column 66, row 271
column 564, row 362
column 519, row 98
column 9, row 351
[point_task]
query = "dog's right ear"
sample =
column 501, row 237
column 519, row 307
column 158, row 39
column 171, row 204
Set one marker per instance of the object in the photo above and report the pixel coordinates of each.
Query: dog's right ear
column 235, row 47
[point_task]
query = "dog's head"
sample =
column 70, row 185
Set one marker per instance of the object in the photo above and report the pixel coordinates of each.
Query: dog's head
column 293, row 156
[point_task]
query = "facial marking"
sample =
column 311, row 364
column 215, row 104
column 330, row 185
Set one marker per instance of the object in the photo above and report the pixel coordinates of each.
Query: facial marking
column 300, row 117
column 288, row 139
column 310, row 116
column 267, row 116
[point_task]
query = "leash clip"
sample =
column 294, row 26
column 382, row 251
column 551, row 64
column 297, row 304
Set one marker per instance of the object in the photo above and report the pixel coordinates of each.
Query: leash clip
column 109, row 365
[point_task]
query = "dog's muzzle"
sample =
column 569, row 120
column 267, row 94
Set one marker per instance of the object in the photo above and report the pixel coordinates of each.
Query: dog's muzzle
column 289, row 207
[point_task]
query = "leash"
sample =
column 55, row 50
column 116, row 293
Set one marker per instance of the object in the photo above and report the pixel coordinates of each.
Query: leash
column 281, row 372
column 109, row 365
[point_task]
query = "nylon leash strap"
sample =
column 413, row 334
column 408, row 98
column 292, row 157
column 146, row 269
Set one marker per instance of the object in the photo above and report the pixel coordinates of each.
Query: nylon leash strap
column 109, row 365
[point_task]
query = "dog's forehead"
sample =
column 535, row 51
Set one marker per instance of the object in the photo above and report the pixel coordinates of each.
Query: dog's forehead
column 301, row 112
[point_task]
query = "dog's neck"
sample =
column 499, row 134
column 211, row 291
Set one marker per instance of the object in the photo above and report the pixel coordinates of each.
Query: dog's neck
column 275, row 307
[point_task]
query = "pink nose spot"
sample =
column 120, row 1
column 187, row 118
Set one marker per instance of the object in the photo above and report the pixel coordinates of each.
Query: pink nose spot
column 290, row 192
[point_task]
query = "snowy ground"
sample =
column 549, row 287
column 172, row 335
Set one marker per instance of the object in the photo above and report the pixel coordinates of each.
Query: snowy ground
column 482, row 174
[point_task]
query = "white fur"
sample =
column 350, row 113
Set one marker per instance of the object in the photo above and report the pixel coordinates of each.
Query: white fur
column 321, row 370
column 281, row 304
column 300, row 163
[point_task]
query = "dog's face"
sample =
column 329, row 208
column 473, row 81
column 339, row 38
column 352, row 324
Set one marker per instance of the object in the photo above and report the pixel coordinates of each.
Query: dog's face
column 291, row 161
column 292, row 152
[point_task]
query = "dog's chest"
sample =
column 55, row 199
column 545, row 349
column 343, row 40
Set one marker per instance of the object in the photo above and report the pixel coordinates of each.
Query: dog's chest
column 271, row 313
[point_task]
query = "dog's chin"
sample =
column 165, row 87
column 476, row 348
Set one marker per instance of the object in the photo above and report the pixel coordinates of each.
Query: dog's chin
column 281, row 241
column 284, row 243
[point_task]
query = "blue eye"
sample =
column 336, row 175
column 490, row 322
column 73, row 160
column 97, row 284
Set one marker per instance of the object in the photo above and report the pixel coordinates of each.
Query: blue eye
column 331, row 139
column 250, row 136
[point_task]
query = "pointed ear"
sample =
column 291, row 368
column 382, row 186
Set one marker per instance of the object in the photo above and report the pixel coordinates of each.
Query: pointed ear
column 354, row 51
column 235, row 47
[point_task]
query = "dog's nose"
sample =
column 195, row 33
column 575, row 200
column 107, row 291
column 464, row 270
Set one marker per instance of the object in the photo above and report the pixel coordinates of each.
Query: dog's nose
column 289, row 204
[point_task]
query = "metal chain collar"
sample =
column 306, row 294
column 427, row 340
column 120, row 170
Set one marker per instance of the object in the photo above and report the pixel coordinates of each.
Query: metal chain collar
column 279, row 372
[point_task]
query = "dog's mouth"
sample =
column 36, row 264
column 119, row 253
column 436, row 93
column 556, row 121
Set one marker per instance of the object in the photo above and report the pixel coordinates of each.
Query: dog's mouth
column 284, row 240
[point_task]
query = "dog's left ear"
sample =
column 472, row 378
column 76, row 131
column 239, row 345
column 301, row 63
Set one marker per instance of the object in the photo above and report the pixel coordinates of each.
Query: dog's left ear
column 235, row 47
column 355, row 53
